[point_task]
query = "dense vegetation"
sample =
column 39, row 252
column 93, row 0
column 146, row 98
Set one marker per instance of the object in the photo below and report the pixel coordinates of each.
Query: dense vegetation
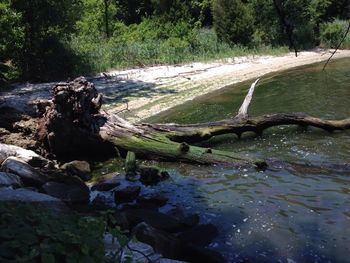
column 47, row 39
column 31, row 233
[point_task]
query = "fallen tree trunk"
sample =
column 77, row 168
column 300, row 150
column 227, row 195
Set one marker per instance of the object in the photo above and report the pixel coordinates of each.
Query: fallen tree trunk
column 75, row 116
column 200, row 132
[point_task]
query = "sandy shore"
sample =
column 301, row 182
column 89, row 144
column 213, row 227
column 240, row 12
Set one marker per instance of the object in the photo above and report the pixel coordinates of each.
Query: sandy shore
column 151, row 90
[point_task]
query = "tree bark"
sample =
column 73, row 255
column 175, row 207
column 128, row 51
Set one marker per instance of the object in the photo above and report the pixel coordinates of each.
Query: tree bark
column 106, row 5
column 75, row 113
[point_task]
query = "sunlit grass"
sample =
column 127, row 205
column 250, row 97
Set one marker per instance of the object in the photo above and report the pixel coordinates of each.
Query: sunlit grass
column 204, row 46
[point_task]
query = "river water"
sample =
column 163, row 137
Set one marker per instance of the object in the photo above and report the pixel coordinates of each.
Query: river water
column 287, row 215
column 298, row 215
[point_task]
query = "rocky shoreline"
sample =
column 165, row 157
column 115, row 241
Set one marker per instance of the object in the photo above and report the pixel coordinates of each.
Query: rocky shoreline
column 35, row 178
column 29, row 178
column 32, row 179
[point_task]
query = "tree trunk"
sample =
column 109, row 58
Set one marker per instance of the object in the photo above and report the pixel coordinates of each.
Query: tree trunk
column 286, row 25
column 75, row 115
column 106, row 4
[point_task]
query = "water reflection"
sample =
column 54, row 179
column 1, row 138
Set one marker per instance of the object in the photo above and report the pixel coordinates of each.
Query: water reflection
column 300, row 213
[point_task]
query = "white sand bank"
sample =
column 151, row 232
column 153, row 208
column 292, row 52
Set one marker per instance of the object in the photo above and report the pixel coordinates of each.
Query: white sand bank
column 155, row 89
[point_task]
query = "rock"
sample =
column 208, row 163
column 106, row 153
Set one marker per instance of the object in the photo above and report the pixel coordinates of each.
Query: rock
column 162, row 242
column 70, row 193
column 29, row 188
column 127, row 194
column 190, row 220
column 200, row 235
column 138, row 251
column 102, row 202
column 168, row 260
column 177, row 213
column 152, row 175
column 9, row 179
column 172, row 247
column 68, row 179
column 156, row 199
column 20, row 126
column 154, row 219
column 79, row 168
column 105, row 186
column 28, row 196
column 119, row 219
column 106, row 182
column 18, row 139
column 28, row 175
column 193, row 253
column 27, row 156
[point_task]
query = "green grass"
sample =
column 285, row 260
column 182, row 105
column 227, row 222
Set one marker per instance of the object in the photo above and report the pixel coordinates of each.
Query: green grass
column 332, row 34
column 199, row 46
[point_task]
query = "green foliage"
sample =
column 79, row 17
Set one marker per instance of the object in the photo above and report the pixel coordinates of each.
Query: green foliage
column 40, row 51
column 152, row 42
column 305, row 36
column 133, row 11
column 32, row 234
column 333, row 32
column 10, row 31
column 266, row 24
column 43, row 40
column 92, row 19
column 233, row 21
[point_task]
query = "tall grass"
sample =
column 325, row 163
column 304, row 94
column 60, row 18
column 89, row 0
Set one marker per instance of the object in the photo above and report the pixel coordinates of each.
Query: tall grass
column 333, row 32
column 126, row 50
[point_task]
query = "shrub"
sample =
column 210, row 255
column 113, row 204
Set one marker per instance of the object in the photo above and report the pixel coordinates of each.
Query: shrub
column 305, row 36
column 333, row 32
column 31, row 234
column 233, row 21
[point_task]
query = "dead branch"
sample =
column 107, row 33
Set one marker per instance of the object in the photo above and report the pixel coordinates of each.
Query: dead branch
column 75, row 117
column 338, row 46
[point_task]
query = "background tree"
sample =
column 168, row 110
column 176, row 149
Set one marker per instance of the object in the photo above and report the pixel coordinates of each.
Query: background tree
column 43, row 53
column 233, row 21
column 132, row 11
column 43, row 40
column 10, row 32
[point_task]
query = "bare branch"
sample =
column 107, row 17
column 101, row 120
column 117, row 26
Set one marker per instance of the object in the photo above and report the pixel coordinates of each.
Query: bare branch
column 243, row 110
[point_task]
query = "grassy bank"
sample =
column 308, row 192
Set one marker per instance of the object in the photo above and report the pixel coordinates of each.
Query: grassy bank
column 135, row 49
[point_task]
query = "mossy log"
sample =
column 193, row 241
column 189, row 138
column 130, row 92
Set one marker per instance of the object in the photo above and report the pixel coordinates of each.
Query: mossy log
column 75, row 111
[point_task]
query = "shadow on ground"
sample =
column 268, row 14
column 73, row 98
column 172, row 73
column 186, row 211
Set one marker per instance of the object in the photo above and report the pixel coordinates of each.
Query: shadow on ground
column 114, row 89
column 118, row 90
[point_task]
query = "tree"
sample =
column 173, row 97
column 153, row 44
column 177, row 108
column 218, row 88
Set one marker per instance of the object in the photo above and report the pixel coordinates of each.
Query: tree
column 42, row 52
column 106, row 4
column 233, row 21
column 132, row 11
column 10, row 33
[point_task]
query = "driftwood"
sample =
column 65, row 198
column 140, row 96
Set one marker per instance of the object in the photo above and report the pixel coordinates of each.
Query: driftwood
column 74, row 119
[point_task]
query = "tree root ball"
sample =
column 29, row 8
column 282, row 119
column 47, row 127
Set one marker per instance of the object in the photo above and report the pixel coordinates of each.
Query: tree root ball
column 70, row 125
